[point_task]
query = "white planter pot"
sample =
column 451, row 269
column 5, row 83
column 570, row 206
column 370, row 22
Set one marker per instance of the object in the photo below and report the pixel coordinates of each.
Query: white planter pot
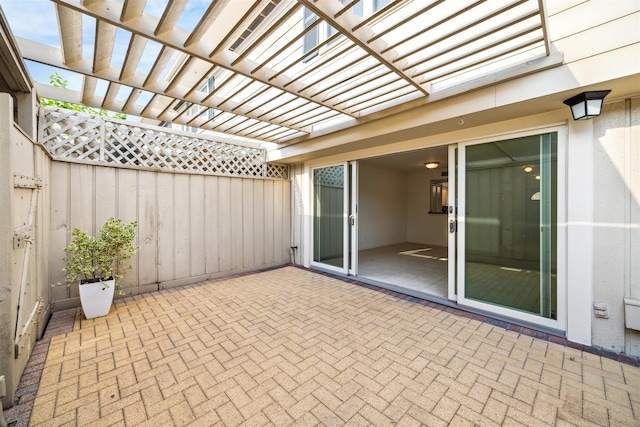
column 96, row 298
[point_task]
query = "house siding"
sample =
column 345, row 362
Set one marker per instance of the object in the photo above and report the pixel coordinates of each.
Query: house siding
column 616, row 222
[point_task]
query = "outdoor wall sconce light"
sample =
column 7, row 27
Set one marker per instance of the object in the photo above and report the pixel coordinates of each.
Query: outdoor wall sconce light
column 587, row 104
column 431, row 165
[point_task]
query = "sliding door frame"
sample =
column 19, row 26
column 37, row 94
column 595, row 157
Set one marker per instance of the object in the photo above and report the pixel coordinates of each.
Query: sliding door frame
column 560, row 323
column 349, row 219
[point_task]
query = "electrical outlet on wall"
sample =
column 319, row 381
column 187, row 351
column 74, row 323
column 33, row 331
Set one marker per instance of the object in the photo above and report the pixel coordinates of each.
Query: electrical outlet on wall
column 601, row 310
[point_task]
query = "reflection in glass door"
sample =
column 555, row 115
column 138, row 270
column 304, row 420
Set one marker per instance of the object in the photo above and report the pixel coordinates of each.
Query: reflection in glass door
column 329, row 217
column 508, row 211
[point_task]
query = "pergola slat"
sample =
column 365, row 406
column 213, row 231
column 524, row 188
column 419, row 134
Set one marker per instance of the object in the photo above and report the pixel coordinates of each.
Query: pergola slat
column 70, row 28
column 103, row 50
column 269, row 70
column 110, row 96
column 251, row 13
column 88, row 89
column 109, row 10
column 207, row 19
column 362, row 38
column 527, row 30
column 160, row 62
column 170, row 16
column 405, row 20
column 131, row 101
column 132, row 57
column 132, row 9
column 289, row 13
column 496, row 28
column 377, row 14
column 32, row 50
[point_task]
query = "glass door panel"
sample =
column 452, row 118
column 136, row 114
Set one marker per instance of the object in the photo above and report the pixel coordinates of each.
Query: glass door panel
column 509, row 232
column 330, row 200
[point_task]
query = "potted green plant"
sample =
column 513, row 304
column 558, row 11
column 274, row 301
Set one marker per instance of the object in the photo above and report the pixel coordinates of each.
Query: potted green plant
column 99, row 262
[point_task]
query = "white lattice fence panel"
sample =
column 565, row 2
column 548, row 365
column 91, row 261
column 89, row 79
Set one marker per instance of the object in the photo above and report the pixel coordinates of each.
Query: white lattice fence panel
column 275, row 170
column 330, row 177
column 142, row 146
column 69, row 134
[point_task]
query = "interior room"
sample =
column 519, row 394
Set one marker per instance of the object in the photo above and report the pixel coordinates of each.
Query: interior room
column 402, row 232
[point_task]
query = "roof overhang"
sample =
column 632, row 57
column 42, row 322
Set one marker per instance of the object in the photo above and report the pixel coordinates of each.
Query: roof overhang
column 13, row 71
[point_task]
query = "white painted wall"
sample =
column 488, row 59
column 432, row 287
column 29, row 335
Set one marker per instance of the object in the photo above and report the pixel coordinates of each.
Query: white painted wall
column 394, row 208
column 422, row 227
column 382, row 210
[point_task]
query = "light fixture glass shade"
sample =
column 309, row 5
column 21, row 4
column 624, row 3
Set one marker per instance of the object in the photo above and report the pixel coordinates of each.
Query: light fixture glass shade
column 431, row 165
column 587, row 104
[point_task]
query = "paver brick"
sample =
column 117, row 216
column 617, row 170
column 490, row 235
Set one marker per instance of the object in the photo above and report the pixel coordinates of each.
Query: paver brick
column 293, row 347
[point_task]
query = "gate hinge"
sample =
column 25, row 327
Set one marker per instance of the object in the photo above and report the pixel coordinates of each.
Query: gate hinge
column 21, row 236
column 24, row 181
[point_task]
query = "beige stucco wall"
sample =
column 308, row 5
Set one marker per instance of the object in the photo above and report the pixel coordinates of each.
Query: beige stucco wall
column 616, row 229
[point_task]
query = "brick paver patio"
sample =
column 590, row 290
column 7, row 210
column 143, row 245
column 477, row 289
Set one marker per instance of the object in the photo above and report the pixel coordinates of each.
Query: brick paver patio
column 289, row 346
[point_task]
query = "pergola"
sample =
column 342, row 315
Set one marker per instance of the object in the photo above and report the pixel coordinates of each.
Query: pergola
column 280, row 70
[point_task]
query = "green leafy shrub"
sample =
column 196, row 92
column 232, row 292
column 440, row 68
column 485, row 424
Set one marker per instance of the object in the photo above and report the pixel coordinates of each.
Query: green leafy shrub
column 98, row 258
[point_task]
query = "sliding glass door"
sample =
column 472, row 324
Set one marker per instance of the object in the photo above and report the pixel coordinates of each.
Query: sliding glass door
column 334, row 218
column 507, row 230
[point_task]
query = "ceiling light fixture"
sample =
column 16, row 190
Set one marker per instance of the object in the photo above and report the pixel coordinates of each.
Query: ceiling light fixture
column 587, row 104
column 431, row 165
column 528, row 169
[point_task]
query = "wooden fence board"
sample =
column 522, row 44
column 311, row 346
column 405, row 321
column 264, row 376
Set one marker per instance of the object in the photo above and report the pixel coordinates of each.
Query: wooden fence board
column 105, row 196
column 211, row 224
column 258, row 221
column 147, row 228
column 166, row 219
column 127, row 211
column 269, row 242
column 197, row 221
column 247, row 222
column 225, row 217
column 278, row 223
column 60, row 226
column 236, row 224
column 182, row 247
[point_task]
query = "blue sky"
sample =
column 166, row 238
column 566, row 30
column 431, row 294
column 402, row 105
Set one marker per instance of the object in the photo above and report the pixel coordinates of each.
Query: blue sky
column 36, row 20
